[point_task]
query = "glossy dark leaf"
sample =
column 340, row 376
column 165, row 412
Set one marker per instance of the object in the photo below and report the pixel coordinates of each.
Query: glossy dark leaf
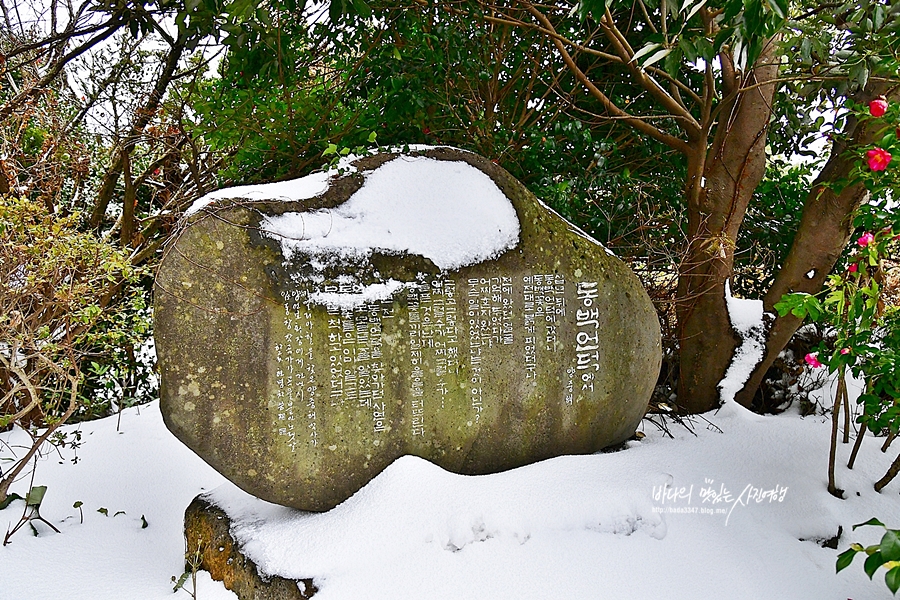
column 844, row 559
column 890, row 545
column 872, row 563
column 892, row 579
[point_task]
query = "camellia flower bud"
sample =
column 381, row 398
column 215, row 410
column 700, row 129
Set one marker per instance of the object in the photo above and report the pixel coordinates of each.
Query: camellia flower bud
column 878, row 107
column 845, row 350
column 878, row 159
column 865, row 239
column 853, row 268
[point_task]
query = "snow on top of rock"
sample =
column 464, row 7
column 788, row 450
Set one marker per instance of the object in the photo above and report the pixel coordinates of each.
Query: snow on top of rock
column 446, row 211
column 294, row 189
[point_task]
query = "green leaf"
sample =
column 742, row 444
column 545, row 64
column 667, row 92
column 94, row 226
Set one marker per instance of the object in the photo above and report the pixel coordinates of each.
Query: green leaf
column 657, row 56
column 372, row 136
column 331, row 149
column 644, row 51
column 872, row 563
column 754, row 49
column 779, row 7
column 859, row 72
column 723, row 36
column 103, row 511
column 144, row 523
column 336, row 10
column 844, row 559
column 753, row 17
column 872, row 521
column 834, row 297
column 688, row 49
column 892, row 579
column 813, row 310
column 10, row 498
column 362, row 8
column 732, row 8
column 672, row 64
column 78, row 504
column 705, row 49
column 181, row 580
column 694, row 10
column 890, row 545
column 593, row 7
column 36, row 495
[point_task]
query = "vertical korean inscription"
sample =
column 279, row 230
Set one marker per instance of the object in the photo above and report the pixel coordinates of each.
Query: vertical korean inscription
column 335, row 371
column 367, row 369
column 587, row 346
column 433, row 337
column 550, row 307
column 443, row 337
column 416, row 374
column 377, row 311
column 295, row 381
column 530, row 327
column 543, row 312
column 356, row 360
column 489, row 311
column 476, row 314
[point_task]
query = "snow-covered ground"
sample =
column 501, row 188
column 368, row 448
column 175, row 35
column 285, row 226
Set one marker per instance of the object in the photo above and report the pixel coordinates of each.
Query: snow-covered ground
column 598, row 526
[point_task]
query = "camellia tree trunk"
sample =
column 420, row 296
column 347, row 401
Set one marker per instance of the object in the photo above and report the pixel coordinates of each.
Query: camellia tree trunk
column 717, row 200
column 724, row 127
column 718, row 115
column 824, row 231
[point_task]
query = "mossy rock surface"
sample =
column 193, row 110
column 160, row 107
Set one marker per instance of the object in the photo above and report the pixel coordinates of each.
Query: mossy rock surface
column 291, row 377
column 211, row 548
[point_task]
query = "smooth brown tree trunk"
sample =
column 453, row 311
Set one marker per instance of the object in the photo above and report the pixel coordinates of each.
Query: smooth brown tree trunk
column 840, row 399
column 732, row 169
column 824, row 231
column 857, row 445
column 889, row 476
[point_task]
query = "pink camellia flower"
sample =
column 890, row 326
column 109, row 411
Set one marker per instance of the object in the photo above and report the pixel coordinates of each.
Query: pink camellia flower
column 865, row 239
column 845, row 350
column 853, row 268
column 878, row 159
column 878, row 107
column 812, row 359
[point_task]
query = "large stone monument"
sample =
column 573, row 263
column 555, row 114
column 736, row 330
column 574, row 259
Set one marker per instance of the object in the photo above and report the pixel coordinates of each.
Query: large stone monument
column 311, row 332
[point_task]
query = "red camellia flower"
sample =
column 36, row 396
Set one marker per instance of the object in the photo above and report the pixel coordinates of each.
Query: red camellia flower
column 865, row 239
column 878, row 107
column 812, row 359
column 853, row 268
column 878, row 159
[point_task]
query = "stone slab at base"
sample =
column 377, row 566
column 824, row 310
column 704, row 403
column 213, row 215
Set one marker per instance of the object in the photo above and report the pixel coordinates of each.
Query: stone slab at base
column 207, row 527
